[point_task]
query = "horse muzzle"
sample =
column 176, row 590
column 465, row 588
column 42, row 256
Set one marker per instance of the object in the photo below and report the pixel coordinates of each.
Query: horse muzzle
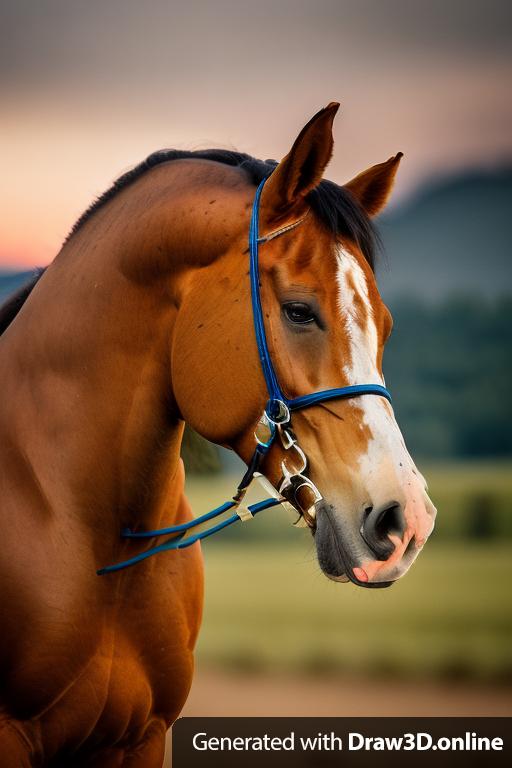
column 375, row 550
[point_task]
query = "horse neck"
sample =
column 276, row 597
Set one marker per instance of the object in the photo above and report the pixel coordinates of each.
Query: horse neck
column 96, row 421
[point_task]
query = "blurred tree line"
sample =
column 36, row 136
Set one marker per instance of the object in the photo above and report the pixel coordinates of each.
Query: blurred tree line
column 449, row 368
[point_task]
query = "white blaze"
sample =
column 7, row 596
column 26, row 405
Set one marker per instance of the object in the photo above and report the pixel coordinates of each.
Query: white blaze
column 387, row 470
column 362, row 368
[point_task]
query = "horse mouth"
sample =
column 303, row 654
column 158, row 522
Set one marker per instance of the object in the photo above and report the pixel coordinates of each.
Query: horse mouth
column 334, row 551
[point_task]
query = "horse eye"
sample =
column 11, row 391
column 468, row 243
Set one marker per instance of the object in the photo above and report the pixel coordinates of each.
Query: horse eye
column 298, row 313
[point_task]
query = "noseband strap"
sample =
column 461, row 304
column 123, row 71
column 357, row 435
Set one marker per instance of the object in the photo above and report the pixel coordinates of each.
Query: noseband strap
column 274, row 421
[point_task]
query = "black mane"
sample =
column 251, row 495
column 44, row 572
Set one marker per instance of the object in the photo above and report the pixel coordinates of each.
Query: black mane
column 335, row 206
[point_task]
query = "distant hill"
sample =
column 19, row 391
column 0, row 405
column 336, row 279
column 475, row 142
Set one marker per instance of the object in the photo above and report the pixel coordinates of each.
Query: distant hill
column 452, row 237
column 11, row 280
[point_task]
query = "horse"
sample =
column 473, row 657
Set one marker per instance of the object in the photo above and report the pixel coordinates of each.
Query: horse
column 143, row 323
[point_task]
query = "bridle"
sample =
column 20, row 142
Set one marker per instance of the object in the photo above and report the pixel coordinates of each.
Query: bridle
column 274, row 423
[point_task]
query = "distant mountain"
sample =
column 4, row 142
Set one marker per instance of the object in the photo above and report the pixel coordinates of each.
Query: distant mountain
column 452, row 237
column 11, row 280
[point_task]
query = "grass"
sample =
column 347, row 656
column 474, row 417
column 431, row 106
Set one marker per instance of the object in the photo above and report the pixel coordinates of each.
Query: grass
column 268, row 607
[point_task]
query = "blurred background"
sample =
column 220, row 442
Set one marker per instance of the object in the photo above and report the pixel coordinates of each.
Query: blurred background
column 90, row 88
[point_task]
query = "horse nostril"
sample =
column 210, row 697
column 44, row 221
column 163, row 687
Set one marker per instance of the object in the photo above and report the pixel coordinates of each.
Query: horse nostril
column 379, row 522
column 390, row 520
column 366, row 513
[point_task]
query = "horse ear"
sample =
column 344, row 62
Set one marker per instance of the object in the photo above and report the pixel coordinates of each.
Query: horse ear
column 303, row 167
column 373, row 186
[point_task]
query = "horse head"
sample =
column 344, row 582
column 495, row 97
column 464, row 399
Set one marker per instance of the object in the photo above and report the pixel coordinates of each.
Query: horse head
column 326, row 327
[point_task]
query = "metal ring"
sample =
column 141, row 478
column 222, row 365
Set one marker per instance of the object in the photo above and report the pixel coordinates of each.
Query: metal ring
column 283, row 416
column 303, row 460
column 265, row 422
column 288, row 439
column 306, row 483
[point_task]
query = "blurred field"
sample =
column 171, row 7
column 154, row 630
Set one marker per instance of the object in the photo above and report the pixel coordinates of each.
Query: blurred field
column 474, row 499
column 268, row 607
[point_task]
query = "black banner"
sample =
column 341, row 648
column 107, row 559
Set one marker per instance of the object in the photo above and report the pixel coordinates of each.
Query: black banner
column 324, row 742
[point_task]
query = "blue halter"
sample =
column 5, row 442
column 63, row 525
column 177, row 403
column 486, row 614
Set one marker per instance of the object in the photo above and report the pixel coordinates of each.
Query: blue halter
column 277, row 398
column 277, row 412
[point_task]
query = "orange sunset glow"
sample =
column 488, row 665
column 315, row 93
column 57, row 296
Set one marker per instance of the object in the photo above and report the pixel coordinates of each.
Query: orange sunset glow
column 90, row 89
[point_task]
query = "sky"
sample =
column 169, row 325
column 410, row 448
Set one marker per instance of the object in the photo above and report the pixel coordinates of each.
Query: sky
column 88, row 88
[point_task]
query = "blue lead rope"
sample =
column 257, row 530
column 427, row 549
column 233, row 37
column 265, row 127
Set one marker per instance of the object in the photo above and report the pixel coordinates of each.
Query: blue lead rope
column 179, row 541
column 277, row 403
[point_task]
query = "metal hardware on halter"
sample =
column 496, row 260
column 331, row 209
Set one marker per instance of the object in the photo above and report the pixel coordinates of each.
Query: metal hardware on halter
column 290, row 442
column 294, row 478
column 282, row 416
column 265, row 431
